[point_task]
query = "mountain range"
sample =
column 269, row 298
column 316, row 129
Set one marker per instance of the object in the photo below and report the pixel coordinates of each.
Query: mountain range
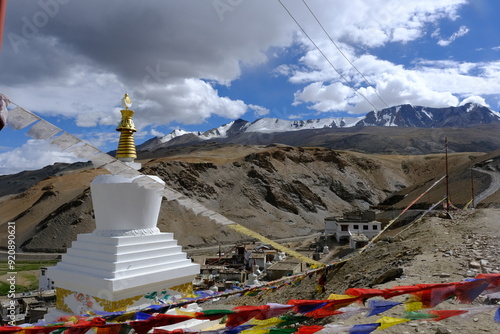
column 376, row 127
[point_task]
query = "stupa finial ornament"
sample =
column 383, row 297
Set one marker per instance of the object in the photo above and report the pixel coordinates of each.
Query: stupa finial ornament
column 126, row 146
column 126, row 101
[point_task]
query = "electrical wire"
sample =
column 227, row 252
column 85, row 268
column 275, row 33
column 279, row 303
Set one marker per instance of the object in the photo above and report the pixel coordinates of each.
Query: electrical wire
column 326, row 58
column 342, row 53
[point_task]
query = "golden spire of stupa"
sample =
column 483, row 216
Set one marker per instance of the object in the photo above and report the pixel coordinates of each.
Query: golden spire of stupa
column 126, row 146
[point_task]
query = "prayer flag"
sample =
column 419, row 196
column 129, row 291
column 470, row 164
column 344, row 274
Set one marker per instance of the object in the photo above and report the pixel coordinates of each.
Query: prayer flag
column 379, row 306
column 386, row 322
column 309, row 329
column 363, row 329
column 443, row 314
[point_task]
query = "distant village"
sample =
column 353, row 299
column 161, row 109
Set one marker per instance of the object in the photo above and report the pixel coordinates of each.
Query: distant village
column 245, row 265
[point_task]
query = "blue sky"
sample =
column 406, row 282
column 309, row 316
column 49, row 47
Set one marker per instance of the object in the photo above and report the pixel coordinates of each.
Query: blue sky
column 196, row 65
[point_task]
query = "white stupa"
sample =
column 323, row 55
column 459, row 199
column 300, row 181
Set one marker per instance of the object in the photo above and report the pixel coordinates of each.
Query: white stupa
column 126, row 263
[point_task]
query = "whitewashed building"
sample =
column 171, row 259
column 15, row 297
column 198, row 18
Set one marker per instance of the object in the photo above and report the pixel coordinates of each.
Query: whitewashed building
column 352, row 223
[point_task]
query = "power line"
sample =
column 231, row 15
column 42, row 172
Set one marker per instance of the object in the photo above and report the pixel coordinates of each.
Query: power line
column 326, row 58
column 342, row 53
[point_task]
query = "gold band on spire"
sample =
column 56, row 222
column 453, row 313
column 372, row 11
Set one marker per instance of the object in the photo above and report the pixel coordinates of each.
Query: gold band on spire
column 126, row 145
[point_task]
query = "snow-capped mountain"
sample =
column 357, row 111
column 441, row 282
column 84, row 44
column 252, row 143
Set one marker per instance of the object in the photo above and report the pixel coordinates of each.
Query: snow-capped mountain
column 407, row 115
column 468, row 115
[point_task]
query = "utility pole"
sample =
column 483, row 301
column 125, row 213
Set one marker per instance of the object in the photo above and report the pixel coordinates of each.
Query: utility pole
column 472, row 187
column 447, row 177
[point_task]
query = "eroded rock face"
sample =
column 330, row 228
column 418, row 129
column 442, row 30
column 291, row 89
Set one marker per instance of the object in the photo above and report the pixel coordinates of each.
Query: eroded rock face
column 278, row 191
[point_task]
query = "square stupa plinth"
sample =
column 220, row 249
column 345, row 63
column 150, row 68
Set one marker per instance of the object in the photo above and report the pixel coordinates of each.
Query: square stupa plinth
column 126, row 263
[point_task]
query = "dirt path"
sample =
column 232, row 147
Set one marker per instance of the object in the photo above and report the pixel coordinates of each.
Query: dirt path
column 493, row 188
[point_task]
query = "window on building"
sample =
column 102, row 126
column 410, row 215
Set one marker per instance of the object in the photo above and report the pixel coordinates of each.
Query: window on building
column 375, row 227
column 344, row 228
column 365, row 227
column 355, row 227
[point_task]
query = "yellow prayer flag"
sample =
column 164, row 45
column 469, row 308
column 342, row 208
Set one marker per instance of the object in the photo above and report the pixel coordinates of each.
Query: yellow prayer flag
column 386, row 322
column 186, row 313
column 413, row 306
column 334, row 296
column 266, row 323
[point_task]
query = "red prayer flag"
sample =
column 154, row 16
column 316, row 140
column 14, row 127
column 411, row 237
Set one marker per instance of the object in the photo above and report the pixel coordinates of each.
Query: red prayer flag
column 443, row 314
column 309, row 329
column 365, row 293
column 9, row 329
column 108, row 329
column 493, row 280
column 325, row 311
column 144, row 326
column 41, row 329
column 244, row 313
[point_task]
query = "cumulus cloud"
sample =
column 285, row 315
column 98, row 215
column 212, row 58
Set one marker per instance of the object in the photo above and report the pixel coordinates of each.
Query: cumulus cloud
column 77, row 58
column 35, row 154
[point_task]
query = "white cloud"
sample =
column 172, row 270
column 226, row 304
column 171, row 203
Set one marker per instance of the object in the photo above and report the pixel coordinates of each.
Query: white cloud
column 188, row 101
column 80, row 62
column 35, row 154
column 324, row 97
column 462, row 31
column 474, row 99
column 157, row 133
column 258, row 110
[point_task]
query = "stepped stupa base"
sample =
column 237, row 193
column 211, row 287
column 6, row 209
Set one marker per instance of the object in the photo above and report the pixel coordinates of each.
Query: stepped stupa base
column 121, row 273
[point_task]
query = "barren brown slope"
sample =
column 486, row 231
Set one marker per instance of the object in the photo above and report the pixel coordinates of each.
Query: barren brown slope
column 279, row 191
column 469, row 176
column 434, row 250
column 34, row 209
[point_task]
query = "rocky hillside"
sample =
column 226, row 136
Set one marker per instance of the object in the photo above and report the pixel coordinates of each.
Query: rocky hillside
column 278, row 191
column 433, row 250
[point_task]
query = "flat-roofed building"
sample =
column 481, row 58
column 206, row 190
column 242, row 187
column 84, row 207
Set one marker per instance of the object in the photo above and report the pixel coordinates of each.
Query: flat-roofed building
column 352, row 223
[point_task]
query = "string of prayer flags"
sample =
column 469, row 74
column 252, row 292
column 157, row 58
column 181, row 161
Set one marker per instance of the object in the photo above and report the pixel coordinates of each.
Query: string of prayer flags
column 260, row 319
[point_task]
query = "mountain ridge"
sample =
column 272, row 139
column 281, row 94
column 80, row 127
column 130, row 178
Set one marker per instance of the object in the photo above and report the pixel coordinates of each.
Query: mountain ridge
column 403, row 116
